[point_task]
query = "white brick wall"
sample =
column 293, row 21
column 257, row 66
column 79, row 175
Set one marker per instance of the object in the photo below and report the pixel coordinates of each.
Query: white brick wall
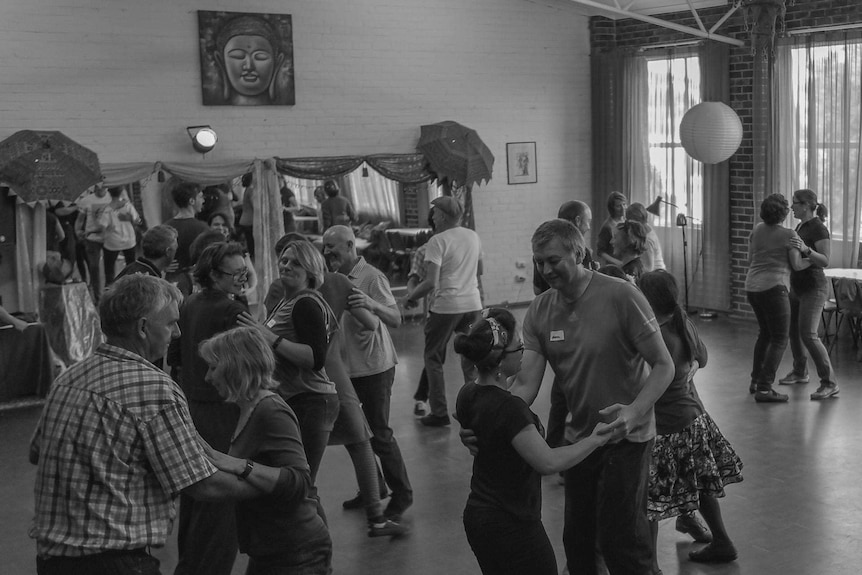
column 122, row 77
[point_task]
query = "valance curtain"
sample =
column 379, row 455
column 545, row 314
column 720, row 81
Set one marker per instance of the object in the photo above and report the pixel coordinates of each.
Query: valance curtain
column 817, row 132
column 268, row 223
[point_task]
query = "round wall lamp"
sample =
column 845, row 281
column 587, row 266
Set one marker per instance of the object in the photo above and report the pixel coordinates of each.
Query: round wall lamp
column 203, row 138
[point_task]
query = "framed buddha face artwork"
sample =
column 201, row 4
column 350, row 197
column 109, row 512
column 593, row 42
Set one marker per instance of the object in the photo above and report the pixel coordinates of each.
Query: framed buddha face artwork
column 246, row 59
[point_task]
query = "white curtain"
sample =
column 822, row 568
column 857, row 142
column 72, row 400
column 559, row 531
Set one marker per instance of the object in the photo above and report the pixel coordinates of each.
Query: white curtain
column 374, row 196
column 818, row 130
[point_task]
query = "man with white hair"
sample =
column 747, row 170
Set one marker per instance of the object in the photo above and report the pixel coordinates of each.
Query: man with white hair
column 453, row 263
column 370, row 357
column 115, row 445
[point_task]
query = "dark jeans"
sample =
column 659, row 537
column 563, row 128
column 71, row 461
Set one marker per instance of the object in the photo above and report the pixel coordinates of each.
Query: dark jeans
column 206, row 530
column 312, row 559
column 606, row 502
column 111, row 263
column 772, row 309
column 557, row 415
column 93, row 251
column 374, row 392
column 504, row 545
column 805, row 311
column 439, row 328
column 422, row 389
column 137, row 562
column 316, row 413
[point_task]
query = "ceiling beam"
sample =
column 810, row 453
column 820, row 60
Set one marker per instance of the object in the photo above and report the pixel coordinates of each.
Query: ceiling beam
column 664, row 23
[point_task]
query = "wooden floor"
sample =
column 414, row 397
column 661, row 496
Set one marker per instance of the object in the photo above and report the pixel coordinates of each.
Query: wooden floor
column 799, row 510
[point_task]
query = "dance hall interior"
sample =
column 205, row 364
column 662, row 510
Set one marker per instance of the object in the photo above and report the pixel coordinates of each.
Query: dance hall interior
column 703, row 125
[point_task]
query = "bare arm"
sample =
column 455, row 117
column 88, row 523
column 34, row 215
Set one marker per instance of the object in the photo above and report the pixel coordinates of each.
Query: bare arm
column 654, row 351
column 7, row 317
column 222, row 486
column 390, row 315
column 535, row 451
column 298, row 354
column 797, row 262
column 429, row 284
column 529, row 379
column 365, row 317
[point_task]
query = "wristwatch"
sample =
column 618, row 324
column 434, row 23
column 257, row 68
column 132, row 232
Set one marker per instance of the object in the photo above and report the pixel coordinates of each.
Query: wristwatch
column 249, row 466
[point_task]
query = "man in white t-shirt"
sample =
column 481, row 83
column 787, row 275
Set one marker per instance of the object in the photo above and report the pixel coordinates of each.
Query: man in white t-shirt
column 453, row 260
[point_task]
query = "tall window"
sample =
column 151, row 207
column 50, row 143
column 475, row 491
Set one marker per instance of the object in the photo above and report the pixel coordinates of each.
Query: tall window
column 674, row 87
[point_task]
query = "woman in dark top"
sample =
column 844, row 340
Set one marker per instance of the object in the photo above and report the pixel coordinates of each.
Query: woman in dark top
column 299, row 329
column 280, row 530
column 503, row 516
column 691, row 459
column 629, row 245
column 616, row 215
column 808, row 293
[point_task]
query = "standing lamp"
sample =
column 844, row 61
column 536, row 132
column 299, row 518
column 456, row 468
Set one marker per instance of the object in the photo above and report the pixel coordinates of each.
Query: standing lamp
column 681, row 221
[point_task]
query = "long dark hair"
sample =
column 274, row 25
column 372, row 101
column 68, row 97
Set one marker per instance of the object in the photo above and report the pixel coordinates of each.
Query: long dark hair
column 662, row 293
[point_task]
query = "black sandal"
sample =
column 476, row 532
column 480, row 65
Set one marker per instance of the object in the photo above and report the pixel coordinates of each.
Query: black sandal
column 713, row 553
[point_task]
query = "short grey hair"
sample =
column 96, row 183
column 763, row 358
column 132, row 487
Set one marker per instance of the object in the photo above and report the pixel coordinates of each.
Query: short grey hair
column 132, row 298
column 157, row 240
column 564, row 230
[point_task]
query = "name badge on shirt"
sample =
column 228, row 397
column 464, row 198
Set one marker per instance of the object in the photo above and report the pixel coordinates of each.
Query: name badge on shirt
column 558, row 335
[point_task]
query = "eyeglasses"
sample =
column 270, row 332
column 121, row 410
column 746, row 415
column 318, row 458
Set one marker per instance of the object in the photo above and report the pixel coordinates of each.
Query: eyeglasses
column 506, row 352
column 238, row 276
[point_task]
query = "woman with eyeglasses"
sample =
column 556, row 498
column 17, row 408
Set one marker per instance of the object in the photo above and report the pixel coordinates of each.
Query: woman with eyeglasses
column 808, row 292
column 503, row 516
column 207, row 538
column 299, row 330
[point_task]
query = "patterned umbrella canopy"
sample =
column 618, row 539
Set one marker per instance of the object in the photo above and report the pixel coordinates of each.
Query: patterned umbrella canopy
column 456, row 153
column 42, row 166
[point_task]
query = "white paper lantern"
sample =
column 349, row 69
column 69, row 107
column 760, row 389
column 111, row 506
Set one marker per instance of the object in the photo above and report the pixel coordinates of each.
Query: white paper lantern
column 710, row 132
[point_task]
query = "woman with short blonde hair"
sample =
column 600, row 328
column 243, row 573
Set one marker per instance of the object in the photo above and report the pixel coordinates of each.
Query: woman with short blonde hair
column 280, row 531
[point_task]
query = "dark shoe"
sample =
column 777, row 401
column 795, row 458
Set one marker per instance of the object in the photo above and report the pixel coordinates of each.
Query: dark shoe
column 432, row 420
column 792, row 378
column 713, row 554
column 383, row 527
column 419, row 409
column 691, row 525
column 359, row 503
column 825, row 392
column 770, row 396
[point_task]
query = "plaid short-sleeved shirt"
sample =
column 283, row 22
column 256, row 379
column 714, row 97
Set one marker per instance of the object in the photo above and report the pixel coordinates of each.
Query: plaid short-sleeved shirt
column 116, row 444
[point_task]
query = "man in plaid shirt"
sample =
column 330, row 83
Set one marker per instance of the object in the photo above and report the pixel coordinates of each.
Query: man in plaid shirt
column 115, row 445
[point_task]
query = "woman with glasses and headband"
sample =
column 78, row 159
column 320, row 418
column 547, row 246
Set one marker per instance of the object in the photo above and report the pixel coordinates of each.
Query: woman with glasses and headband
column 207, row 530
column 808, row 293
column 299, row 330
column 503, row 516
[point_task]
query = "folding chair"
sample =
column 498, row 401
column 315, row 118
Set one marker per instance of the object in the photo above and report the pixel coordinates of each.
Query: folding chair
column 848, row 303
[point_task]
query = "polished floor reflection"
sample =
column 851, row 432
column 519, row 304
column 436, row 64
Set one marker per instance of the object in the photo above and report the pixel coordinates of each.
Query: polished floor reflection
column 798, row 512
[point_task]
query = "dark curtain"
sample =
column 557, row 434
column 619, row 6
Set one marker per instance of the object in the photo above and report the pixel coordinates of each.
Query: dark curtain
column 711, row 283
column 607, row 70
column 404, row 168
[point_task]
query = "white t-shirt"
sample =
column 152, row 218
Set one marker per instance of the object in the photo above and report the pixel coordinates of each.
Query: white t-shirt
column 457, row 251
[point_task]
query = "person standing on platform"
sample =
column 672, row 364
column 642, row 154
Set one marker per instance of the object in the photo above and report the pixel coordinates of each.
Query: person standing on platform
column 453, row 257
column 370, row 357
column 115, row 445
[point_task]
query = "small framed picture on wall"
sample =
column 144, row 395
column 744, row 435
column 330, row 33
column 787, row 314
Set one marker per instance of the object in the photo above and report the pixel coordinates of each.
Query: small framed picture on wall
column 521, row 162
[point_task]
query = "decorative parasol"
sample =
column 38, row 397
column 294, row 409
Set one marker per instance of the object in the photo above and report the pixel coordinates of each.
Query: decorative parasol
column 42, row 166
column 456, row 153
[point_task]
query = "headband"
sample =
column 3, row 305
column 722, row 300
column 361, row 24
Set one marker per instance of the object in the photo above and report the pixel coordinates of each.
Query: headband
column 500, row 335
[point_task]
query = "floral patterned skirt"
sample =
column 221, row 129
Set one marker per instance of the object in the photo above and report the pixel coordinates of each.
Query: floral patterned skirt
column 698, row 458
